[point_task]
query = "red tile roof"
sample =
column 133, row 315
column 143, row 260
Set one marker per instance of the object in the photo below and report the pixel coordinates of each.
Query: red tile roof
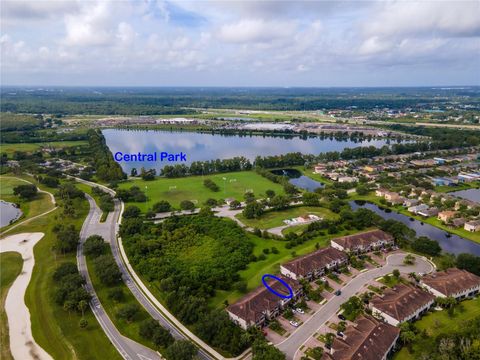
column 252, row 306
column 370, row 339
column 365, row 239
column 402, row 301
column 451, row 281
column 316, row 260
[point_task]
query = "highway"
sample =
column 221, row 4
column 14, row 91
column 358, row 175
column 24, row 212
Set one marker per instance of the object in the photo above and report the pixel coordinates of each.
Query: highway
column 108, row 230
column 127, row 348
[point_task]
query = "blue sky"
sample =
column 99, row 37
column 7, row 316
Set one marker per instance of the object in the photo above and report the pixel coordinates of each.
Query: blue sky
column 240, row 43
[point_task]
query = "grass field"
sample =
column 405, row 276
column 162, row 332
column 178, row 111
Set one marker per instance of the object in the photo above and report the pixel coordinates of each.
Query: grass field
column 192, row 188
column 29, row 209
column 31, row 147
column 10, row 267
column 272, row 219
column 439, row 322
column 130, row 330
column 53, row 328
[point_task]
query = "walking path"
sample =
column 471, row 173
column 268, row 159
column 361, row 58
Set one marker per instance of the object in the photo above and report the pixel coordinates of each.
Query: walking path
column 22, row 343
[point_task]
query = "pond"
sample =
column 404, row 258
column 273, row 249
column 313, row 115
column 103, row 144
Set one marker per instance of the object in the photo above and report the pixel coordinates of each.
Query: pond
column 8, row 213
column 453, row 244
column 203, row 146
column 298, row 179
column 469, row 194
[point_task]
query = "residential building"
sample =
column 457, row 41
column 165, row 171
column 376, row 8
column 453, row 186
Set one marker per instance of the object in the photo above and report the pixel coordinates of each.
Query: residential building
column 445, row 216
column 415, row 209
column 410, row 202
column 452, row 282
column 381, row 192
column 472, row 226
column 314, row 264
column 261, row 305
column 401, row 303
column 433, row 211
column 458, row 222
column 363, row 242
column 347, row 179
column 368, row 339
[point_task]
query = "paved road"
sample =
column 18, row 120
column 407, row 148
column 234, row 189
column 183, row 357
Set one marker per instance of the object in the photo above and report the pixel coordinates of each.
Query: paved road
column 127, row 348
column 108, row 230
column 303, row 333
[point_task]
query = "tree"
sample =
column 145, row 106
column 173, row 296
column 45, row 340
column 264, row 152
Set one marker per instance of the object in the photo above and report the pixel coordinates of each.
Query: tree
column 133, row 172
column 187, row 205
column 310, row 199
column 82, row 306
column 180, row 350
column 317, row 353
column 426, row 246
column 253, row 210
column 116, row 294
column 83, row 323
column 107, row 270
column 469, row 262
column 94, row 246
column 131, row 211
column 64, row 269
column 152, row 330
column 27, row 192
column 409, row 259
column 396, row 273
column 210, row 184
column 261, row 350
column 161, row 206
column 270, row 193
column 128, row 312
column 279, row 202
column 235, row 204
column 67, row 238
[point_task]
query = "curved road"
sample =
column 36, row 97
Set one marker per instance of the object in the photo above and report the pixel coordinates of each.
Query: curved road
column 127, row 348
column 394, row 261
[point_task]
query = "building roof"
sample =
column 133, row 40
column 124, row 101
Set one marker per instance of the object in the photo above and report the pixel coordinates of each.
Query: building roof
column 365, row 239
column 370, row 339
column 451, row 281
column 401, row 301
column 254, row 304
column 316, row 260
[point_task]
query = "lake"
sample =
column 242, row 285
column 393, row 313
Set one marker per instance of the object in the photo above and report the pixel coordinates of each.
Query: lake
column 202, row 146
column 298, row 179
column 469, row 194
column 453, row 244
column 8, row 213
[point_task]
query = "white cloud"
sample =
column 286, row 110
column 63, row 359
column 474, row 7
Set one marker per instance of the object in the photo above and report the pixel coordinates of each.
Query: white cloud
column 255, row 31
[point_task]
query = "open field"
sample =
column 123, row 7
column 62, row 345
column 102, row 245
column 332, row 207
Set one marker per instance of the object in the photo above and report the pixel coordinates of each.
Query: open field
column 53, row 328
column 31, row 147
column 439, row 322
column 10, row 267
column 272, row 219
column 192, row 188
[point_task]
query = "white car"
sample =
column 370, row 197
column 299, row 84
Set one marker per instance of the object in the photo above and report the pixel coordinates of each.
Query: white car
column 300, row 311
column 323, row 278
column 293, row 323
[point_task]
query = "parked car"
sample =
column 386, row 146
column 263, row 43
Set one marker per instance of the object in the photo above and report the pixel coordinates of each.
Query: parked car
column 341, row 334
column 300, row 311
column 293, row 323
column 328, row 346
column 338, row 293
column 341, row 317
column 323, row 278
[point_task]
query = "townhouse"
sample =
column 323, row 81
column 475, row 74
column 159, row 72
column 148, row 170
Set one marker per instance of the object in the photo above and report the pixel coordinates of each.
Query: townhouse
column 367, row 339
column 259, row 306
column 401, row 303
column 315, row 264
column 363, row 242
column 453, row 282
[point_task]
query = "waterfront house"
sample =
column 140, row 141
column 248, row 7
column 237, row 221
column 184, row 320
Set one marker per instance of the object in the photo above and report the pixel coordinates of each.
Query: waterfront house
column 453, row 282
column 458, row 222
column 445, row 216
column 410, row 202
column 363, row 242
column 415, row 209
column 472, row 226
column 433, row 211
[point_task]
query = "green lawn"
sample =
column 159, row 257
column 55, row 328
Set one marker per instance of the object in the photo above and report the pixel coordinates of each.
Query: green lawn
column 438, row 322
column 53, row 328
column 272, row 219
column 192, row 188
column 31, row 147
column 10, row 267
column 32, row 208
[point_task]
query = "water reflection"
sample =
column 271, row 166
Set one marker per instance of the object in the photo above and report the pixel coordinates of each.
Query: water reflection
column 8, row 213
column 298, row 179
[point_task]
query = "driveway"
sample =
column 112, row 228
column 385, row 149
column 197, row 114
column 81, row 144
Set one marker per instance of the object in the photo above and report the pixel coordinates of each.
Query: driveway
column 304, row 332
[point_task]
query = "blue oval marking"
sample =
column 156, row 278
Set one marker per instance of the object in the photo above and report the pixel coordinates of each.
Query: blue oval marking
column 290, row 291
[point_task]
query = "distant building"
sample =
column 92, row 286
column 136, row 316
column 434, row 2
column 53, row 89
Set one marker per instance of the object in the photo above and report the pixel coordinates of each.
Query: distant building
column 347, row 179
column 458, row 222
column 314, row 264
column 261, row 305
column 472, row 226
column 368, row 339
column 428, row 212
column 415, row 209
column 452, row 282
column 410, row 202
column 363, row 242
column 401, row 303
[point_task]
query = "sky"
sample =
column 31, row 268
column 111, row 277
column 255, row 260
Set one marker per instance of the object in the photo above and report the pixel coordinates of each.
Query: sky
column 240, row 43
